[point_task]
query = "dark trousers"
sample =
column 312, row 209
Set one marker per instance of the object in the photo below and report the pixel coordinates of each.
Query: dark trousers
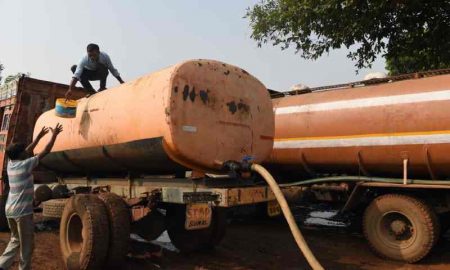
column 93, row 75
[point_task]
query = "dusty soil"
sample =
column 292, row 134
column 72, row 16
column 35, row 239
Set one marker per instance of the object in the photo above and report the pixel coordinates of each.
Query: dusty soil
column 250, row 244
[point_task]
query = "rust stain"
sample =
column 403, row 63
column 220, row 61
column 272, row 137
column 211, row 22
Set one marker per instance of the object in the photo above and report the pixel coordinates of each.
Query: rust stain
column 192, row 95
column 85, row 124
column 232, row 107
column 185, row 92
column 264, row 137
column 232, row 123
column 204, row 96
column 243, row 107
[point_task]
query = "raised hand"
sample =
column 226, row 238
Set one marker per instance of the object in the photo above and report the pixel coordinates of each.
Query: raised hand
column 43, row 131
column 57, row 129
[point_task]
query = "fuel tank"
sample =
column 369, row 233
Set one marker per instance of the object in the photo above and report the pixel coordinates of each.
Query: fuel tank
column 190, row 116
column 366, row 130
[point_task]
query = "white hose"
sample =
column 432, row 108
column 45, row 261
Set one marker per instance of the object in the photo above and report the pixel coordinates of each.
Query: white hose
column 289, row 217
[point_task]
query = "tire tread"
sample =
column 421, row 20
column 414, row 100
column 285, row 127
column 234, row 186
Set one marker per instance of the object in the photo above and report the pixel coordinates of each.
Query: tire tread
column 424, row 210
column 119, row 227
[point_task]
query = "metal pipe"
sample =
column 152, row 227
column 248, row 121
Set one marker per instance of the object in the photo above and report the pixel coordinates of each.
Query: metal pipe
column 363, row 178
column 405, row 171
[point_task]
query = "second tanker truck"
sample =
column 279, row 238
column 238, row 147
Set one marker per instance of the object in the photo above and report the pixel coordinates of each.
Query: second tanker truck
column 380, row 148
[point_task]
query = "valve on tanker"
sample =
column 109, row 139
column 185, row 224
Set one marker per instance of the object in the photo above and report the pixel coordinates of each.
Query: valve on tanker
column 236, row 167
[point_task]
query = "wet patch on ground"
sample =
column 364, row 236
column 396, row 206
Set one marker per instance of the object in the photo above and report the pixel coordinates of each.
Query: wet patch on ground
column 251, row 243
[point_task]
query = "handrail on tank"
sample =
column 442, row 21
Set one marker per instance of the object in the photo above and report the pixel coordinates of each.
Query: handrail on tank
column 364, row 178
column 415, row 75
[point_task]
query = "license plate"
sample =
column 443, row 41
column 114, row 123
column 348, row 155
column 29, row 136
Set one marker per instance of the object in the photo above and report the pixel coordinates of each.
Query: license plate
column 273, row 209
column 198, row 216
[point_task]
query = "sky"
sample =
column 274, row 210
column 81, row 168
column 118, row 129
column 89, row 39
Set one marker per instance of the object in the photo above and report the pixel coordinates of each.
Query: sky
column 46, row 37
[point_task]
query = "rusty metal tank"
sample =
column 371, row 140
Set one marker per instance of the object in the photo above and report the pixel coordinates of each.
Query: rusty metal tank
column 188, row 116
column 367, row 128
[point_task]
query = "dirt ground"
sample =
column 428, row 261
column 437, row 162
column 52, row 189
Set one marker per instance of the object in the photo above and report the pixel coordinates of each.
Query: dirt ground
column 250, row 244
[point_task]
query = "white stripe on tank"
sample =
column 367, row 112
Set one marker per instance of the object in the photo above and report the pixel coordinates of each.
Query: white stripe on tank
column 366, row 102
column 362, row 141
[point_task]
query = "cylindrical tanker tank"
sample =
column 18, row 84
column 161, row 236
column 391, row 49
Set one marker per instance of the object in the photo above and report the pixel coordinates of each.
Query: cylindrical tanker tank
column 188, row 116
column 368, row 130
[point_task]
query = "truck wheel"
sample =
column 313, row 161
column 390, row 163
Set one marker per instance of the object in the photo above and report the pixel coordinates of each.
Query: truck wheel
column 84, row 233
column 53, row 208
column 445, row 222
column 42, row 193
column 60, row 191
column 3, row 221
column 400, row 227
column 119, row 229
column 219, row 226
column 188, row 241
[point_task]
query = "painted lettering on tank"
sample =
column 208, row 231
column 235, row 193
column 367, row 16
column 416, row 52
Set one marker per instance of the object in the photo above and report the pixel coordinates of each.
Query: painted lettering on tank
column 227, row 72
column 189, row 128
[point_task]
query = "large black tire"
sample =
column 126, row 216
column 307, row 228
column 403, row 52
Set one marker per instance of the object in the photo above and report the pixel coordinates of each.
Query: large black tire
column 188, row 241
column 444, row 218
column 219, row 226
column 53, row 208
column 401, row 227
column 42, row 193
column 60, row 191
column 3, row 220
column 119, row 229
column 84, row 233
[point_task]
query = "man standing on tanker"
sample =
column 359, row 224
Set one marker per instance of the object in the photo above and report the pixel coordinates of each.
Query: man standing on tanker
column 93, row 67
column 19, row 205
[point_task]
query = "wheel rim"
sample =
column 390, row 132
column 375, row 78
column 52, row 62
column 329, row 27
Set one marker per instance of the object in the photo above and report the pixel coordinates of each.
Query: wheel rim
column 396, row 230
column 75, row 233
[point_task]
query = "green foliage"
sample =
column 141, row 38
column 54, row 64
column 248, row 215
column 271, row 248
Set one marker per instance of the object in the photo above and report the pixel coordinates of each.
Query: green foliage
column 412, row 35
column 10, row 78
column 1, row 69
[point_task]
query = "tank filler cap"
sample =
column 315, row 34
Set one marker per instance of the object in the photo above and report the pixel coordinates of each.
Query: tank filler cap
column 375, row 75
column 300, row 88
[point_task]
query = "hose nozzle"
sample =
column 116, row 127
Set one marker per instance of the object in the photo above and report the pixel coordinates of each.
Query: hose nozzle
column 236, row 166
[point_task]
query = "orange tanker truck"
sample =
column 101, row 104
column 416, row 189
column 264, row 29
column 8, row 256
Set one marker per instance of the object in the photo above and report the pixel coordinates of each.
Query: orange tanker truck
column 381, row 146
column 145, row 156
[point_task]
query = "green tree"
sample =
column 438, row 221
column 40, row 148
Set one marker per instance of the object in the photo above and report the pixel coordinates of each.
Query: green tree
column 1, row 69
column 412, row 35
column 10, row 78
